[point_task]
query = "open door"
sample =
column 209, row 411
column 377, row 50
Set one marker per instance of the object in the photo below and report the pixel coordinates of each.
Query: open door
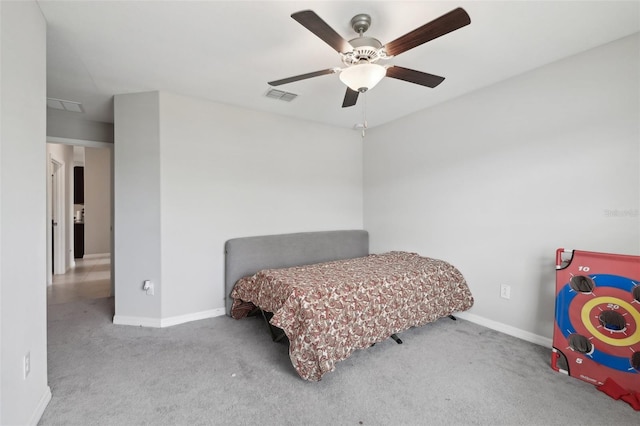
column 57, row 248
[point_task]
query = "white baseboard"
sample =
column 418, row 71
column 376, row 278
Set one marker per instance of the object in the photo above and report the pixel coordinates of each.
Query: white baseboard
column 167, row 322
column 42, row 405
column 212, row 313
column 181, row 319
column 96, row 255
column 506, row 329
column 136, row 321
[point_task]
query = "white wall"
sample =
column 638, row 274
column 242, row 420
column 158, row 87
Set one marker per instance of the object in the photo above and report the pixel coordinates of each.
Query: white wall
column 71, row 125
column 226, row 172
column 136, row 225
column 97, row 200
column 496, row 180
column 22, row 211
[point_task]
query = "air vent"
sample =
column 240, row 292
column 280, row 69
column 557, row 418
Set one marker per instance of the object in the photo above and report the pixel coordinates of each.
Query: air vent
column 64, row 105
column 281, row 95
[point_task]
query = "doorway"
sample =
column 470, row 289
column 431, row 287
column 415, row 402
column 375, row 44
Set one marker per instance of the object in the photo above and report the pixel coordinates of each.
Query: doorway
column 75, row 275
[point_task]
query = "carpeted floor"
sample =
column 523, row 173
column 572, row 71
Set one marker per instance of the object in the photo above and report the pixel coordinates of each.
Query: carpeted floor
column 228, row 372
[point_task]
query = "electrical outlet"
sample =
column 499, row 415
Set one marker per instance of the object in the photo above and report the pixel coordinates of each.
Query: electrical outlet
column 148, row 287
column 505, row 291
column 27, row 365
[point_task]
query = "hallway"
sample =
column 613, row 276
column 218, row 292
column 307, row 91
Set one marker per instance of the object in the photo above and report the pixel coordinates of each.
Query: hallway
column 90, row 279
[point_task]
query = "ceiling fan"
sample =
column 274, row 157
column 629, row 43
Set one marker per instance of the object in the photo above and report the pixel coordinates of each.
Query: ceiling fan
column 359, row 55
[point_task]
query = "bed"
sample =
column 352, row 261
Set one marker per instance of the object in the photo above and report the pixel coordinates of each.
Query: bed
column 331, row 297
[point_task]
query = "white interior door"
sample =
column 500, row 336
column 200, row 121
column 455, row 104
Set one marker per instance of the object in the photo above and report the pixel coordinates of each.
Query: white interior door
column 58, row 242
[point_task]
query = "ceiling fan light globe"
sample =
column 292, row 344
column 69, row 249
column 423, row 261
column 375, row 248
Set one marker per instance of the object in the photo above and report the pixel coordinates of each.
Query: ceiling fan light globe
column 362, row 77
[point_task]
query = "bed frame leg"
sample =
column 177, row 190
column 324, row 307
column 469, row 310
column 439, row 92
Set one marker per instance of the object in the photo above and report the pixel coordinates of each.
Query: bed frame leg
column 396, row 338
column 453, row 318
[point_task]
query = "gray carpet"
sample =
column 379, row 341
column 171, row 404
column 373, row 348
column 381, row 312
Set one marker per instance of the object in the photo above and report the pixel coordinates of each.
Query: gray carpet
column 223, row 371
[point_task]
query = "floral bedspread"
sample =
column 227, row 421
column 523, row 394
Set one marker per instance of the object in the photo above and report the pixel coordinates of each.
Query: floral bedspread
column 328, row 310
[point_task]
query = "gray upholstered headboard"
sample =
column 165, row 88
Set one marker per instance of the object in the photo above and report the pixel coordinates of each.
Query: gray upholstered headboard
column 246, row 256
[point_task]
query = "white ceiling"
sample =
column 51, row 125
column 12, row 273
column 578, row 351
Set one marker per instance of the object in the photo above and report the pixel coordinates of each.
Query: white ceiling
column 226, row 51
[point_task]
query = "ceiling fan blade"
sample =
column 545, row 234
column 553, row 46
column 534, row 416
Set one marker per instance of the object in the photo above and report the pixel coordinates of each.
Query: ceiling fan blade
column 413, row 76
column 302, row 77
column 448, row 22
column 315, row 24
column 350, row 98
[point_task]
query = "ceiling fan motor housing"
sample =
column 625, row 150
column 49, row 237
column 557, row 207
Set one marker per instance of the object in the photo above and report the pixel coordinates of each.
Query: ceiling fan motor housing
column 365, row 49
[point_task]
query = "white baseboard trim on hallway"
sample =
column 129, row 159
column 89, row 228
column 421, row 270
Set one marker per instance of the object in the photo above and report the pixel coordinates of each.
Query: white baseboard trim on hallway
column 167, row 322
column 96, row 256
column 506, row 329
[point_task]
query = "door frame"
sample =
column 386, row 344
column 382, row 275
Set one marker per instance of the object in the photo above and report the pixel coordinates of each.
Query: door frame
column 92, row 144
column 56, row 235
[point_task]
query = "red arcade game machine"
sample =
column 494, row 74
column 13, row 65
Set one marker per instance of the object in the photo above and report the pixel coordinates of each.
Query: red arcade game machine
column 596, row 335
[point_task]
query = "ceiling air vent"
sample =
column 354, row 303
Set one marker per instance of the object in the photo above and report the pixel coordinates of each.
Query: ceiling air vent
column 281, row 95
column 64, row 105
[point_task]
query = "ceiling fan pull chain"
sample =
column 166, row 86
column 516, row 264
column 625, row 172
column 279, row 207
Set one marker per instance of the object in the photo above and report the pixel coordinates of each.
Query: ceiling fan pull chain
column 364, row 115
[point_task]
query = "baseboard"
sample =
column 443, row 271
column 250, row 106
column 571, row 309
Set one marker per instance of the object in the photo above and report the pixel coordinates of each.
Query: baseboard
column 42, row 405
column 96, row 256
column 212, row 313
column 167, row 322
column 137, row 321
column 181, row 319
column 506, row 329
